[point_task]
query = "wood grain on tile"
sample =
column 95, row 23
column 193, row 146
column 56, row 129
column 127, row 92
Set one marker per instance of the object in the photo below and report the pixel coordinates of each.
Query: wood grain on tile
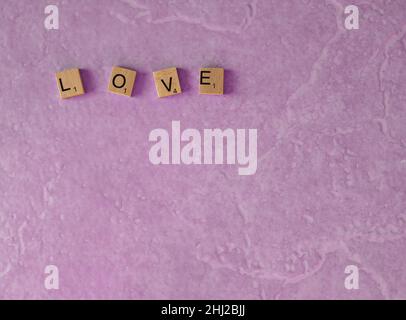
column 211, row 81
column 122, row 81
column 167, row 82
column 69, row 83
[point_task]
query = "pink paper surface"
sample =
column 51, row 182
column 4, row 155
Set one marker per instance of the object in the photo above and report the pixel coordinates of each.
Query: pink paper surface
column 78, row 191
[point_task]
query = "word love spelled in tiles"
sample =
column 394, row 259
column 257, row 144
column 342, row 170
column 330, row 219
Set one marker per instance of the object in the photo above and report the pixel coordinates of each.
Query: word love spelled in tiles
column 122, row 82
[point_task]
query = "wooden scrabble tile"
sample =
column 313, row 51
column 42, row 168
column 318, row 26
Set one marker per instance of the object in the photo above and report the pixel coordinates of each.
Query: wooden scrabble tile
column 211, row 81
column 69, row 83
column 167, row 82
column 122, row 81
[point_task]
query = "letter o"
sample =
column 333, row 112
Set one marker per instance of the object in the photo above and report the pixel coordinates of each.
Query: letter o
column 114, row 81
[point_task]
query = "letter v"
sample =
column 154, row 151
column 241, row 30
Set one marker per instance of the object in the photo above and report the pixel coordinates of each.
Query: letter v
column 170, row 84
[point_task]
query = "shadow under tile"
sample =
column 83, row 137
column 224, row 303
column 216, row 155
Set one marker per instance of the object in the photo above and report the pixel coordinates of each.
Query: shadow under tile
column 141, row 81
column 184, row 78
column 230, row 81
column 88, row 80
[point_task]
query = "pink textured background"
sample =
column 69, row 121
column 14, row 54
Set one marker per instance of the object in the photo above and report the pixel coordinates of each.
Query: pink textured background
column 77, row 189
